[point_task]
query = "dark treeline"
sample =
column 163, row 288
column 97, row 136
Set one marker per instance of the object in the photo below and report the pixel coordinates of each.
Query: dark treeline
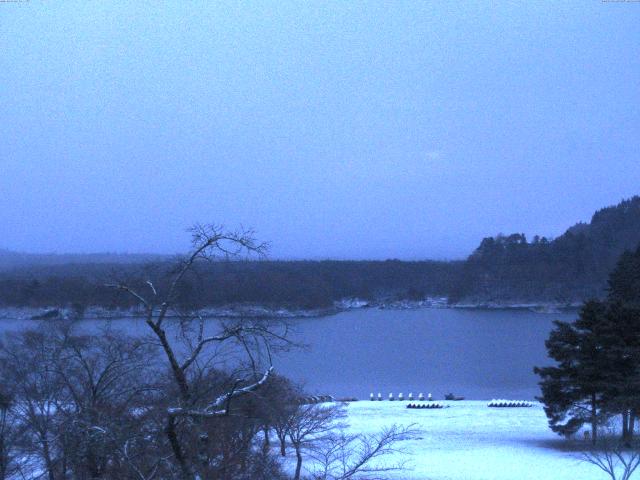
column 572, row 268
column 295, row 284
column 503, row 269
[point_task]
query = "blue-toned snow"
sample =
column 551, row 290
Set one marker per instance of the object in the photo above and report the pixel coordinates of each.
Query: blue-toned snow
column 470, row 441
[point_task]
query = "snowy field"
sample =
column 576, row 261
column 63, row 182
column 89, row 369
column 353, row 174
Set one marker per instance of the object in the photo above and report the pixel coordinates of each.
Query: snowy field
column 470, row 441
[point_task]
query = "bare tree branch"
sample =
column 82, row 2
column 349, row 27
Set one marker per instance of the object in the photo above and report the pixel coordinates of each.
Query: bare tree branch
column 214, row 409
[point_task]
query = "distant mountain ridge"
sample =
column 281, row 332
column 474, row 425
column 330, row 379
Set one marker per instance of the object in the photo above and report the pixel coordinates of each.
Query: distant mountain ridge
column 10, row 259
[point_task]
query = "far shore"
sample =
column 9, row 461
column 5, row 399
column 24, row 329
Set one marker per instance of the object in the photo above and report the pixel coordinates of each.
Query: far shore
column 259, row 311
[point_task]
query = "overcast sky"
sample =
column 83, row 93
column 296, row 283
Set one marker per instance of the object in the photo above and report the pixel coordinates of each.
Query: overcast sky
column 334, row 129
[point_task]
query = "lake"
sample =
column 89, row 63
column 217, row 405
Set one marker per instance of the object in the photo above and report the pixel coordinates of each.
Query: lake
column 479, row 354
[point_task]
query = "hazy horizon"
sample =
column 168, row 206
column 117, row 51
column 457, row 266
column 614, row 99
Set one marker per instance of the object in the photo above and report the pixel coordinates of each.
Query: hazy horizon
column 284, row 258
column 334, row 130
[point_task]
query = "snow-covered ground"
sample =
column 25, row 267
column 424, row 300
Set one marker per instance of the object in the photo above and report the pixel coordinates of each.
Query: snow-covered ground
column 470, row 441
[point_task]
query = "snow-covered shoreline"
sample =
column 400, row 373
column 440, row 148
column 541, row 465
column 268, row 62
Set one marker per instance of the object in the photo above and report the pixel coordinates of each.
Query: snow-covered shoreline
column 260, row 311
column 99, row 313
column 443, row 302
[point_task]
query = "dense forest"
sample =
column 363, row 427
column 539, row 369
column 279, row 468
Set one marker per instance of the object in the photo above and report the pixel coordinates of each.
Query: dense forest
column 569, row 269
column 505, row 269
column 291, row 284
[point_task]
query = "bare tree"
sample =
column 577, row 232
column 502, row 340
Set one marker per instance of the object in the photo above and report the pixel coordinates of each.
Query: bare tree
column 109, row 388
column 617, row 457
column 90, row 409
column 185, row 357
column 10, row 462
column 80, row 402
column 344, row 457
column 309, row 425
column 26, row 365
column 278, row 403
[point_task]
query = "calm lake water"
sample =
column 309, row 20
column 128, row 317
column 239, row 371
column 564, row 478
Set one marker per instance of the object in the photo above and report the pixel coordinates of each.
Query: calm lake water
column 479, row 354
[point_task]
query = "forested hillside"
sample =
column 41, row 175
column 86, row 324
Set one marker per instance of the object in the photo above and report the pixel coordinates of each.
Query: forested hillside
column 570, row 268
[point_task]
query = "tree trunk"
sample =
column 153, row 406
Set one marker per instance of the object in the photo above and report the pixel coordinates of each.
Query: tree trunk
column 177, row 449
column 4, row 459
column 298, row 464
column 178, row 373
column 181, row 379
column 632, row 424
column 47, row 459
column 283, row 444
column 625, row 425
column 594, row 420
column 267, row 441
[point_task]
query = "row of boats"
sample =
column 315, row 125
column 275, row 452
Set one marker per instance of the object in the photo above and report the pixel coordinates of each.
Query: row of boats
column 509, row 403
column 448, row 396
column 425, row 405
column 492, row 403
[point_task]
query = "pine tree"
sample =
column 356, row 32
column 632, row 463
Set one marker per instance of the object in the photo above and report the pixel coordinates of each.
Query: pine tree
column 597, row 374
column 623, row 314
column 573, row 392
column 624, row 281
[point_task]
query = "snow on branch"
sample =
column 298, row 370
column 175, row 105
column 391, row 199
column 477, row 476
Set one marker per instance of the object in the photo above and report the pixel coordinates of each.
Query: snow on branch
column 220, row 406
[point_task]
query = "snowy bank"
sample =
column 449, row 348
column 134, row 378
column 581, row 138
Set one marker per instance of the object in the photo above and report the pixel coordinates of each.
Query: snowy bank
column 100, row 313
column 261, row 311
column 470, row 441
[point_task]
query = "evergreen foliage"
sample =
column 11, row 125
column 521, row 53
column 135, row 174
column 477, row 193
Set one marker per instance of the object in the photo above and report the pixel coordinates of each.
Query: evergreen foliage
column 570, row 268
column 597, row 375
